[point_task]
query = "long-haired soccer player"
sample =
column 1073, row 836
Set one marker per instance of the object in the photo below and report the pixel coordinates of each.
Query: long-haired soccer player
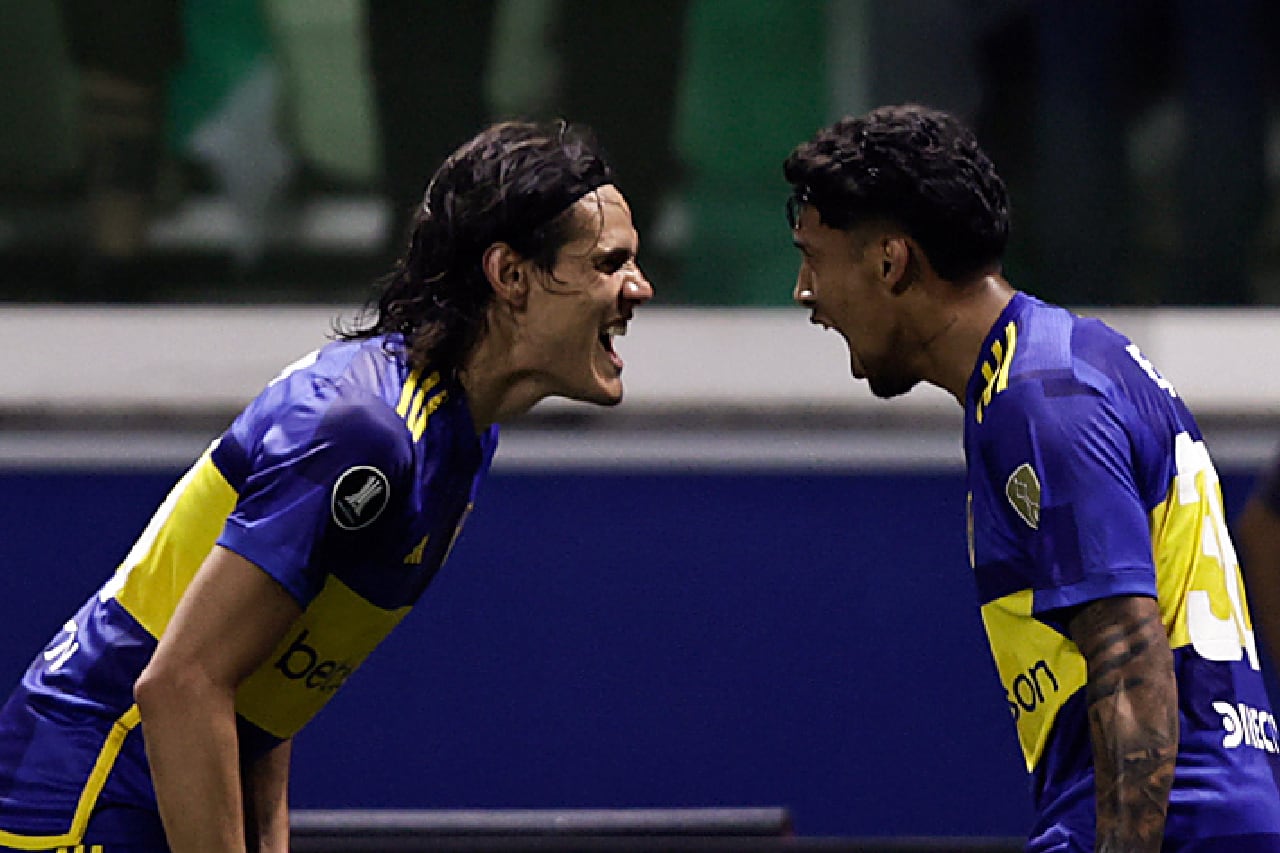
column 311, row 526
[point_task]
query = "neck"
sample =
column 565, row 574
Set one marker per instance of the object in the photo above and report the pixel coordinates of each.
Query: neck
column 497, row 388
column 951, row 346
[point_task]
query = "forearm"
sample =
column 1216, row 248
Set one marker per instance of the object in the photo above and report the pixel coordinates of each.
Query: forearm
column 266, row 801
column 1133, row 720
column 190, row 735
column 228, row 621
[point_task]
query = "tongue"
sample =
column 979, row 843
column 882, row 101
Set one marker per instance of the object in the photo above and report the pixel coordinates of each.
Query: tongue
column 606, row 342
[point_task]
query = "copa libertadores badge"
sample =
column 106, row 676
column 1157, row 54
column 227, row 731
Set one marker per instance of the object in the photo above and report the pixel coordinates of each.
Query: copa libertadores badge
column 359, row 497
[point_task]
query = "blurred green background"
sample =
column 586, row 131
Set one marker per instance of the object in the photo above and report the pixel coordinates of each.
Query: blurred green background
column 288, row 137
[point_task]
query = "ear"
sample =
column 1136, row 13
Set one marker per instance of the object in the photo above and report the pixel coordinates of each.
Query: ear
column 507, row 273
column 896, row 267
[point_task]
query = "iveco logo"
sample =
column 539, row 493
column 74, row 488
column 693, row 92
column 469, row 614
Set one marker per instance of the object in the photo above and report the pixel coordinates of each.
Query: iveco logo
column 359, row 497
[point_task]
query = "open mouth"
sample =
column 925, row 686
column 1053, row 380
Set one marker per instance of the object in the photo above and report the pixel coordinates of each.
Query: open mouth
column 614, row 329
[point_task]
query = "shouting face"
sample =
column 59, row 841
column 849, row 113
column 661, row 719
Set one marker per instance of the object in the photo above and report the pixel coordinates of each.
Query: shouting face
column 576, row 311
column 848, row 280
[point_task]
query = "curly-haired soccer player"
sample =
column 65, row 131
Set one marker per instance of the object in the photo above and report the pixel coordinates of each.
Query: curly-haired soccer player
column 1109, row 587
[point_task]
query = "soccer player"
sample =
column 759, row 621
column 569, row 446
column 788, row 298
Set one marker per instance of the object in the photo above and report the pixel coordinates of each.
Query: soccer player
column 1109, row 587
column 1259, row 530
column 307, row 531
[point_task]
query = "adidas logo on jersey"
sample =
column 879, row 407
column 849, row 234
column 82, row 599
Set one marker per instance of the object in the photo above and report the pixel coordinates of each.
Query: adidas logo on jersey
column 414, row 557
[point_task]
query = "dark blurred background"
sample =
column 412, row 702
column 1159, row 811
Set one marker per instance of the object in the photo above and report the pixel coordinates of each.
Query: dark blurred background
column 269, row 150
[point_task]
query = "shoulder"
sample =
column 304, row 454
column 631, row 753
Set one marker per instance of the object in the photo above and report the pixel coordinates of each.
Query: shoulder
column 339, row 396
column 1056, row 347
column 1050, row 363
column 1049, row 393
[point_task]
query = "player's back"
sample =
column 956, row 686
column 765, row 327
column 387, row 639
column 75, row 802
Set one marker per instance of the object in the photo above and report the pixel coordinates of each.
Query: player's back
column 1089, row 478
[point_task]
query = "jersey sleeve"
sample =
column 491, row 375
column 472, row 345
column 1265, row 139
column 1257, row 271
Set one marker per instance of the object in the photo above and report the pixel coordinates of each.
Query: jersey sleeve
column 321, row 472
column 1060, row 454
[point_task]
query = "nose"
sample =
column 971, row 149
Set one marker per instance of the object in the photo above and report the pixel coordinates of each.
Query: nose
column 802, row 293
column 637, row 288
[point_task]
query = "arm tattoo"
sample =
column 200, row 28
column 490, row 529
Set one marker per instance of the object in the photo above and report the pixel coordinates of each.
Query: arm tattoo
column 1133, row 718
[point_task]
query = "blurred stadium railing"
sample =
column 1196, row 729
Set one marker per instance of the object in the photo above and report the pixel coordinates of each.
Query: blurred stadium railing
column 751, row 830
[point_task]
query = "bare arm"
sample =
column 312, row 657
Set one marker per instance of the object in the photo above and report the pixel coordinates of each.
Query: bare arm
column 1259, row 532
column 266, row 801
column 227, row 623
column 1133, row 719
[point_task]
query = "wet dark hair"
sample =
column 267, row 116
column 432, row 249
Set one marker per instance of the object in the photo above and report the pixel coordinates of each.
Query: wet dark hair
column 916, row 167
column 514, row 182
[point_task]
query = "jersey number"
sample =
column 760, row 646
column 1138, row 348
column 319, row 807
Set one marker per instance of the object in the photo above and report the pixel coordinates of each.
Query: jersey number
column 1214, row 638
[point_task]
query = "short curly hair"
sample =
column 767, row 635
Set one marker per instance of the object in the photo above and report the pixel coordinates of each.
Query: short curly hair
column 916, row 167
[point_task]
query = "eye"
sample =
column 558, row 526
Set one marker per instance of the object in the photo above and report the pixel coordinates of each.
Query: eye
column 611, row 262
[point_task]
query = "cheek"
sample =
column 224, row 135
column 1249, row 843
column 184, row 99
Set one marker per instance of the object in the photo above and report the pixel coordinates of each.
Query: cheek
column 574, row 326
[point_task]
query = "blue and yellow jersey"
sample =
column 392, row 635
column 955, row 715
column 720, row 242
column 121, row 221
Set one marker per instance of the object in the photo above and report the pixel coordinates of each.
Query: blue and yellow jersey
column 1088, row 478
column 346, row 481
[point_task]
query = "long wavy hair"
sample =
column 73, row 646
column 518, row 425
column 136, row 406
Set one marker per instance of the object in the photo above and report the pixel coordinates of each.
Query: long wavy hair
column 514, row 182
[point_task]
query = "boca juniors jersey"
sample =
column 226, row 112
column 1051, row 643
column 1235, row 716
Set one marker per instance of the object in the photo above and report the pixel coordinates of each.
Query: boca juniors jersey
column 1088, row 478
column 346, row 481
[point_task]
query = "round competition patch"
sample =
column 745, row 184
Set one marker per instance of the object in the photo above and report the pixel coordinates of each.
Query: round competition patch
column 359, row 497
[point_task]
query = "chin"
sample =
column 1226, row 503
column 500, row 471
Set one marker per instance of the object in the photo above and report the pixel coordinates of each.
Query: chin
column 609, row 397
column 889, row 387
column 603, row 394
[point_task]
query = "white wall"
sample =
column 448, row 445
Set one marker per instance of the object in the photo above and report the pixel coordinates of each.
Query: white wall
column 782, row 383
column 104, row 358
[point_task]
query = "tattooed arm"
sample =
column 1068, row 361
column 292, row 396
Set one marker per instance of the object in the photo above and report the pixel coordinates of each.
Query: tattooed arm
column 1133, row 718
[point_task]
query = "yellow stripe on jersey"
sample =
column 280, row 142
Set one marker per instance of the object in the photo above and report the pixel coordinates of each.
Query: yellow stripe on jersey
column 1039, row 668
column 165, row 558
column 996, row 371
column 88, row 797
column 414, row 392
column 419, row 424
column 406, row 393
column 318, row 653
column 1011, row 341
column 414, row 406
column 1198, row 579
